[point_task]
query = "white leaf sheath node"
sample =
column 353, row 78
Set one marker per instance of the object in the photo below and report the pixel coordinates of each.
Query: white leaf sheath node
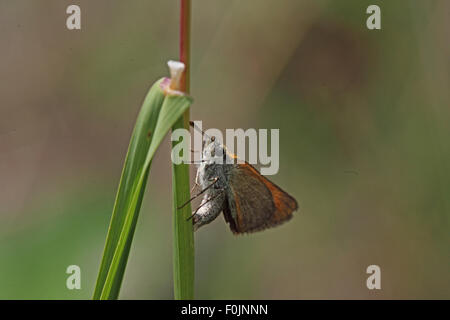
column 176, row 70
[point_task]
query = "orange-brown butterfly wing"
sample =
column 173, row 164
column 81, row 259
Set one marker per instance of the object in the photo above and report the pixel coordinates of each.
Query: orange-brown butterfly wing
column 255, row 203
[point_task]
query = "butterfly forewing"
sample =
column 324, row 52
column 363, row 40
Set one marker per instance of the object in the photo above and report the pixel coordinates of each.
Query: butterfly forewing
column 254, row 203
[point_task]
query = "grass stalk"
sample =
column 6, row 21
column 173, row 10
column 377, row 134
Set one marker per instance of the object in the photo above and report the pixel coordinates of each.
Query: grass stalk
column 183, row 237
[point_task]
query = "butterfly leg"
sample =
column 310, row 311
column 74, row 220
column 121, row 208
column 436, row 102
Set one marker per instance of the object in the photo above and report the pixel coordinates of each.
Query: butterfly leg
column 195, row 183
column 200, row 193
column 194, row 186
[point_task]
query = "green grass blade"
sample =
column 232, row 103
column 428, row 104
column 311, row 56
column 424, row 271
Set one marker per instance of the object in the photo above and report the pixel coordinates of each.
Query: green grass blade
column 183, row 246
column 163, row 112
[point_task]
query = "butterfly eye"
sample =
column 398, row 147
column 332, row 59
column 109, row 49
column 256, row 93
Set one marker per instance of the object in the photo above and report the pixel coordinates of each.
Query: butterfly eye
column 213, row 139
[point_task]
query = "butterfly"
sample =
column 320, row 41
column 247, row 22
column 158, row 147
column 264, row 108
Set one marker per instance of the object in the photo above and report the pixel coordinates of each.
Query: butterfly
column 249, row 201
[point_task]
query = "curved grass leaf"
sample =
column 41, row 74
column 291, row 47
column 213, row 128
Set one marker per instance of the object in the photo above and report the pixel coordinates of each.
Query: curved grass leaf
column 157, row 115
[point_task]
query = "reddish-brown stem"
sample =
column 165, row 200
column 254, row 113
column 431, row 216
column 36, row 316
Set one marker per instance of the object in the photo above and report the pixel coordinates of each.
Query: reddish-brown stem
column 185, row 32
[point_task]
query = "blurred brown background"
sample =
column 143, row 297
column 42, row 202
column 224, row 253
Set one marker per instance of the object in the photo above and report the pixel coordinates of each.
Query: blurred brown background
column 364, row 126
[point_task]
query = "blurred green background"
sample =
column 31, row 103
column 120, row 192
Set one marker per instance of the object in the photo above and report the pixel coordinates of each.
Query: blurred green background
column 364, row 144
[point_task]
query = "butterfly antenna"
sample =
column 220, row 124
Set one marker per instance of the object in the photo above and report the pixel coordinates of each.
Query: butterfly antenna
column 193, row 125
